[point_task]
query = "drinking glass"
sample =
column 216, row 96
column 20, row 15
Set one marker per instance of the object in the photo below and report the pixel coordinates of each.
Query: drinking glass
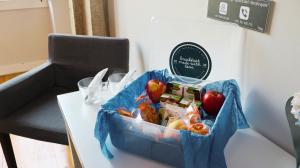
column 114, row 81
column 92, row 95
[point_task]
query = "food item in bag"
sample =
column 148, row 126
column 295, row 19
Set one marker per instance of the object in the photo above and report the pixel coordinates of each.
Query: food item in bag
column 171, row 120
column 148, row 113
column 124, row 112
column 175, row 88
column 170, row 131
column 155, row 89
column 167, row 98
column 164, row 121
column 193, row 115
column 192, row 93
column 212, row 102
column 164, row 117
column 174, row 110
column 178, row 124
column 146, row 109
column 164, row 97
column 199, row 128
column 184, row 102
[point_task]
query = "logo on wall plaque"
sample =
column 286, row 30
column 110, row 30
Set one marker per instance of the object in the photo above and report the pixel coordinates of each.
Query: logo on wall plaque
column 190, row 60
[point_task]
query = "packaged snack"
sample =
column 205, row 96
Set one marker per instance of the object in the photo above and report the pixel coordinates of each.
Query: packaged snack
column 185, row 90
column 169, row 98
column 171, row 120
column 164, row 97
column 178, row 124
column 164, row 122
column 184, row 102
column 174, row 110
column 164, row 117
column 148, row 113
column 191, row 93
column 175, row 88
column 197, row 103
column 193, row 115
column 170, row 131
column 147, row 109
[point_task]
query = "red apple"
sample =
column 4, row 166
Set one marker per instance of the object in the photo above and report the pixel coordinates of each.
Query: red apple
column 155, row 89
column 212, row 102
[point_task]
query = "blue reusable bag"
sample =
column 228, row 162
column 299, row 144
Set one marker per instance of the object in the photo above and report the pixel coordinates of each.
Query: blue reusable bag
column 193, row 150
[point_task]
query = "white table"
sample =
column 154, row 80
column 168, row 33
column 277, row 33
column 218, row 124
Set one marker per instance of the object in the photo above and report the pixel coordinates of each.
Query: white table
column 246, row 149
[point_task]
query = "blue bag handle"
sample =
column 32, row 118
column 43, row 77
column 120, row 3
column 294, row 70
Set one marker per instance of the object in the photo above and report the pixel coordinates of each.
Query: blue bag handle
column 102, row 124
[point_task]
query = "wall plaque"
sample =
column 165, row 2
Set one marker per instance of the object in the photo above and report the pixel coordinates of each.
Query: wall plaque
column 189, row 59
column 250, row 14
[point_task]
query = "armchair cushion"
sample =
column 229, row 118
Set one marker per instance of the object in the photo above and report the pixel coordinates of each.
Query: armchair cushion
column 28, row 103
column 21, row 90
column 40, row 119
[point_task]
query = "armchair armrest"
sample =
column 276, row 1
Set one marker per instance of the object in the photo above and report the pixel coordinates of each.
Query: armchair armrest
column 21, row 90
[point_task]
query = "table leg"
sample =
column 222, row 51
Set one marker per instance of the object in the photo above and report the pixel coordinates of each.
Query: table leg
column 75, row 158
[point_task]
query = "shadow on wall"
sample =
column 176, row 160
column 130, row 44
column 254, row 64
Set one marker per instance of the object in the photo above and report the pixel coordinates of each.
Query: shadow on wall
column 140, row 56
column 137, row 57
column 262, row 116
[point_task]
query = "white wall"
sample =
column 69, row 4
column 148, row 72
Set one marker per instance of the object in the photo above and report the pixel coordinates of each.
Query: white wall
column 265, row 65
column 23, row 38
column 154, row 29
column 272, row 72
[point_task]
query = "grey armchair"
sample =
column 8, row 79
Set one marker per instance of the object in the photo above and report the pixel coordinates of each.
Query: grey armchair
column 28, row 105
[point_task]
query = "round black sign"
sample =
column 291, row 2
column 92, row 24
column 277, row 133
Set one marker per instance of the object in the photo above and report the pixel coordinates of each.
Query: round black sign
column 190, row 60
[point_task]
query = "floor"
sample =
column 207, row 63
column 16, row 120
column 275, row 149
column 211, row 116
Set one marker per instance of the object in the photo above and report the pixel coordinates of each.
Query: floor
column 4, row 78
column 31, row 153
